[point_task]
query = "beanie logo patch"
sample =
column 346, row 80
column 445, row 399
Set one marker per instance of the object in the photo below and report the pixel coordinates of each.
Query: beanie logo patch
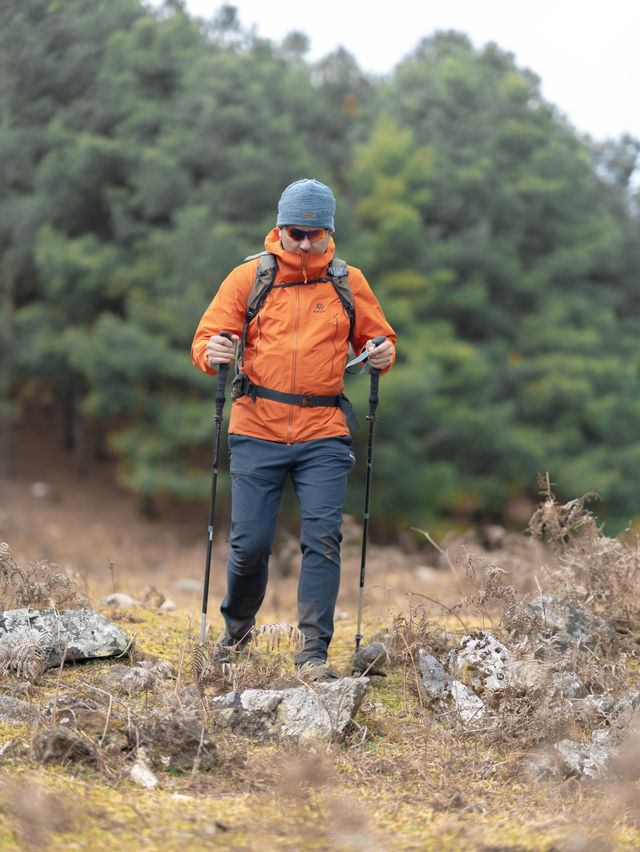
column 308, row 215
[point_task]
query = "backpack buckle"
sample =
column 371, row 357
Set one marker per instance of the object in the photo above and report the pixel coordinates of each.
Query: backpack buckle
column 242, row 386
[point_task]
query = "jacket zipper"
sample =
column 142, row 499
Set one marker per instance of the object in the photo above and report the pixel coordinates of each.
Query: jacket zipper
column 303, row 261
column 335, row 350
column 293, row 365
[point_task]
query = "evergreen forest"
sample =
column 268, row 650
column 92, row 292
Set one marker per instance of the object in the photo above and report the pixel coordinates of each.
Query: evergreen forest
column 142, row 155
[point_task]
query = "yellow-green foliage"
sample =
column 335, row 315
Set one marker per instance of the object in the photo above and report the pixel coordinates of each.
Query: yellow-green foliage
column 399, row 782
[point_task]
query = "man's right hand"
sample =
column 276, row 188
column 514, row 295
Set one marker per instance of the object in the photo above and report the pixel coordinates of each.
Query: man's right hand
column 221, row 350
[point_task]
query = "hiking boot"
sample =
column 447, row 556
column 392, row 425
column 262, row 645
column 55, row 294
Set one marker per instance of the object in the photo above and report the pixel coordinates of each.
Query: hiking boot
column 229, row 649
column 314, row 671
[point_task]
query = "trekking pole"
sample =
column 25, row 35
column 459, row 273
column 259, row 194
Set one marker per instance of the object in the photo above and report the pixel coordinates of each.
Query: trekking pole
column 220, row 400
column 371, row 417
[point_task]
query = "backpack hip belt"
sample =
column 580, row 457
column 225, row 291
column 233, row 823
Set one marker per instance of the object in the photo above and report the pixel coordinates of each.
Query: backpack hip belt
column 243, row 386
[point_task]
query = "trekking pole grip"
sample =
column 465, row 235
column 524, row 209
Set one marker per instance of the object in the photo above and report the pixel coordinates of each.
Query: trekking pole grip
column 375, row 378
column 373, row 390
column 223, row 370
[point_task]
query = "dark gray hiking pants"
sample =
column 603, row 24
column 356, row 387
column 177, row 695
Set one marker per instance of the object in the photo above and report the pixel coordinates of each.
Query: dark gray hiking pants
column 259, row 470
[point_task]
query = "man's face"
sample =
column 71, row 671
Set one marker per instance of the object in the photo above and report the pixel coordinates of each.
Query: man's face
column 289, row 236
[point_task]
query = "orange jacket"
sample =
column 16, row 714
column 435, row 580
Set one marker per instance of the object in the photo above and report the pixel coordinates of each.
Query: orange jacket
column 298, row 343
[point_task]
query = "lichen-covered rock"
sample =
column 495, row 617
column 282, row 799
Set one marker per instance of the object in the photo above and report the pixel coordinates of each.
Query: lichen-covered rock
column 570, row 623
column 447, row 697
column 177, row 737
column 373, row 659
column 17, row 710
column 591, row 709
column 481, row 662
column 572, row 687
column 72, row 634
column 143, row 677
column 322, row 712
column 588, row 758
column 626, row 708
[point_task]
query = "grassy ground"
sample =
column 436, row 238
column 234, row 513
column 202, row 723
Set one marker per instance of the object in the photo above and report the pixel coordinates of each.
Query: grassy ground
column 400, row 781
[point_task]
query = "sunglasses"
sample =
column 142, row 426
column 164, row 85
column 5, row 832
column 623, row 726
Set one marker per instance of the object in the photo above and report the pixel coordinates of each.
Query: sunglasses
column 313, row 236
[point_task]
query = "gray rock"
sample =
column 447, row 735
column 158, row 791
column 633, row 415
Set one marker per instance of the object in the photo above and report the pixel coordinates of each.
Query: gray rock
column 132, row 679
column 60, row 745
column 41, row 490
column 187, row 585
column 626, row 708
column 591, row 709
column 74, row 634
column 176, row 738
column 322, row 712
column 18, row 690
column 571, row 686
column 119, row 599
column 16, row 710
column 128, row 679
column 447, row 697
column 570, row 623
column 592, row 757
column 529, row 674
column 142, row 776
column 66, row 701
column 372, row 660
column 481, row 662
column 587, row 758
column 546, row 763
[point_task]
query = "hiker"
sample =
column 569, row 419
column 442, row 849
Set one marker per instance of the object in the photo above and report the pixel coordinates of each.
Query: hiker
column 289, row 416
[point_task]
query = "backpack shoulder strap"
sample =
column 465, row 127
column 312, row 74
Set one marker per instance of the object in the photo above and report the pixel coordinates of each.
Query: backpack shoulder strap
column 339, row 274
column 263, row 282
column 266, row 271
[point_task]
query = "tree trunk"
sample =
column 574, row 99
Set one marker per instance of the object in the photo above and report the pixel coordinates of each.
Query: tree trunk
column 79, row 438
column 100, row 445
column 65, row 396
column 6, row 380
column 6, row 449
column 148, row 508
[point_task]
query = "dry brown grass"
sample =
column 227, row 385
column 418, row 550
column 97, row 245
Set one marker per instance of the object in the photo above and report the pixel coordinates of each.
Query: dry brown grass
column 600, row 571
column 400, row 781
column 39, row 586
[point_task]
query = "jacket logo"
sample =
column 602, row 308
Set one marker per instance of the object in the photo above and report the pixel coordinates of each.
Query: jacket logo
column 319, row 308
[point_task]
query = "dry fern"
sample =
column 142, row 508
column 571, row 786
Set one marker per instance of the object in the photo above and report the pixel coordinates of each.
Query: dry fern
column 41, row 586
column 487, row 590
column 590, row 567
column 208, row 670
column 273, row 635
column 24, row 656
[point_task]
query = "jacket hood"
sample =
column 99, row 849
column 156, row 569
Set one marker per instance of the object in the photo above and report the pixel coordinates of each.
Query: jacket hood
column 298, row 265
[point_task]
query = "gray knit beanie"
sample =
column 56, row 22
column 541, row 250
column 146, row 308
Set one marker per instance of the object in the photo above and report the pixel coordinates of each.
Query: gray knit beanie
column 307, row 202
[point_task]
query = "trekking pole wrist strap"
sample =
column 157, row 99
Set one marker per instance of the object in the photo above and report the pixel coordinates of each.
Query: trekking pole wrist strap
column 243, row 386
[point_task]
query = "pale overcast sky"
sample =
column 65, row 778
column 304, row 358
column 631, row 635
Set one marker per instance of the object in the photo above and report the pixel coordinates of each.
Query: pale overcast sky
column 586, row 52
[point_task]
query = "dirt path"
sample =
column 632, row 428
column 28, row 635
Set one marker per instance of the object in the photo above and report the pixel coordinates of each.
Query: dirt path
column 90, row 526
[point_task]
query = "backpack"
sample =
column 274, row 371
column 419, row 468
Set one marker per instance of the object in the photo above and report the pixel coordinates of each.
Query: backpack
column 263, row 284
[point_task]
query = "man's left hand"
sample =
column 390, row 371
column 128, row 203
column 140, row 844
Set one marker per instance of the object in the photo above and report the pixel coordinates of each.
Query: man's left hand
column 379, row 356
